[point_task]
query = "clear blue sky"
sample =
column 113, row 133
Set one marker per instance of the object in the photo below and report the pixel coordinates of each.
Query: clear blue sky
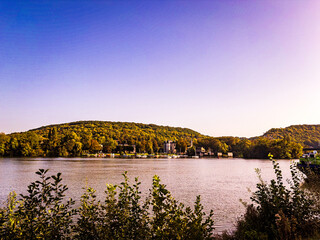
column 219, row 67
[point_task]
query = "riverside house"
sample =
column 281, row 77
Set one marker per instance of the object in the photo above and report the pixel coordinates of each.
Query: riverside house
column 169, row 147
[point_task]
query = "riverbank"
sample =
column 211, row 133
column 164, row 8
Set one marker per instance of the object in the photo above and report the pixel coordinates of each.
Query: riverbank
column 145, row 155
column 93, row 137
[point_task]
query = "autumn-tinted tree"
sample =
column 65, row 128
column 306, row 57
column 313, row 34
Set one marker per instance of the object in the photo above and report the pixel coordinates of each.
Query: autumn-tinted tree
column 80, row 138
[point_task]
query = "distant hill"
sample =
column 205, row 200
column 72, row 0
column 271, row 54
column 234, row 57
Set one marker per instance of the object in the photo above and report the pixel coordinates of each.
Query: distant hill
column 122, row 131
column 89, row 137
column 78, row 138
column 307, row 135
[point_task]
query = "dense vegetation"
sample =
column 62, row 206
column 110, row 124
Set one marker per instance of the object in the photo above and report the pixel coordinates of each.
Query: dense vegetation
column 45, row 213
column 80, row 138
column 307, row 135
column 254, row 148
column 280, row 212
column 77, row 138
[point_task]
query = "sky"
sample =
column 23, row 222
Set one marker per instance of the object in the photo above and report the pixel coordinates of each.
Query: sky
column 222, row 68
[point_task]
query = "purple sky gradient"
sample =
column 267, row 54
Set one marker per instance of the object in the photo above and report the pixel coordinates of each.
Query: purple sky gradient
column 219, row 67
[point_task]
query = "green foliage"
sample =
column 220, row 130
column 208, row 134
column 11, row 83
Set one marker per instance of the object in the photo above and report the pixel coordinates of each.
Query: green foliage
column 280, row 148
column 171, row 220
column 307, row 135
column 214, row 144
column 45, row 214
column 259, row 148
column 279, row 212
column 42, row 213
column 121, row 216
column 80, row 138
column 182, row 145
column 191, row 151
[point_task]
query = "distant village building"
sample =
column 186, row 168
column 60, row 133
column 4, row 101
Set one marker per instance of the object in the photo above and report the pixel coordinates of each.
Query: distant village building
column 230, row 154
column 200, row 151
column 169, row 147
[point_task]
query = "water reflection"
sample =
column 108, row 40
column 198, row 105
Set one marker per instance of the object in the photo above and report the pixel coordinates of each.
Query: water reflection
column 220, row 182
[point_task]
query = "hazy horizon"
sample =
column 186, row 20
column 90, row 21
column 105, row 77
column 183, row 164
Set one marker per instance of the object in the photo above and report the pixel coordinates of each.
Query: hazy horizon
column 221, row 68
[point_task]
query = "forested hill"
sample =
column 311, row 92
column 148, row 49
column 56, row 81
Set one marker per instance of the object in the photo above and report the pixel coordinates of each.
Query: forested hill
column 307, row 135
column 117, row 129
column 76, row 138
column 128, row 132
column 122, row 131
column 89, row 137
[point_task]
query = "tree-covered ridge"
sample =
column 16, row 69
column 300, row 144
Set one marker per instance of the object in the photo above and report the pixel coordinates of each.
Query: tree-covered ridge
column 120, row 130
column 78, row 138
column 83, row 137
column 307, row 135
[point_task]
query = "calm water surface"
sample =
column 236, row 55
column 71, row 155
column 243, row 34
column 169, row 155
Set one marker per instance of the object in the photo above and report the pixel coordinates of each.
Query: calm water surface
column 220, row 182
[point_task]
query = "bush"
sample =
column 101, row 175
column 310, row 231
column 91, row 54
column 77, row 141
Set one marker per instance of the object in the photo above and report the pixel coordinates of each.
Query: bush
column 39, row 214
column 172, row 221
column 124, row 216
column 121, row 216
column 44, row 214
column 279, row 212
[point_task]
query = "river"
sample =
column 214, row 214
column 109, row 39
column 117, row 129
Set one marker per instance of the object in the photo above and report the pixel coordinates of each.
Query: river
column 220, row 182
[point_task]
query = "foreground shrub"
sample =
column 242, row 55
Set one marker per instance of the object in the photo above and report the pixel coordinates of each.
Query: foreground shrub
column 41, row 213
column 279, row 212
column 172, row 221
column 121, row 216
column 45, row 214
column 124, row 216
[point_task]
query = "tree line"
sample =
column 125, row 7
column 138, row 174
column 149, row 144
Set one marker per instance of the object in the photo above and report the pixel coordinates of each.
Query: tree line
column 80, row 138
column 307, row 135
